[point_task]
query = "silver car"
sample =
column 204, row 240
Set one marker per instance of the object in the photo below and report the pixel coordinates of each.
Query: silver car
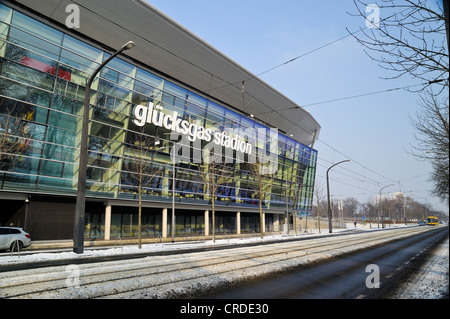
column 13, row 238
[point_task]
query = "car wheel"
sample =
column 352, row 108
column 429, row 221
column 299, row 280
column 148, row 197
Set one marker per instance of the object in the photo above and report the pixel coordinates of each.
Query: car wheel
column 16, row 246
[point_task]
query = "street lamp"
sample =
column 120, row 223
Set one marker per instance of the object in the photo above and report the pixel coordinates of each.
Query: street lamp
column 78, row 230
column 381, row 208
column 328, row 195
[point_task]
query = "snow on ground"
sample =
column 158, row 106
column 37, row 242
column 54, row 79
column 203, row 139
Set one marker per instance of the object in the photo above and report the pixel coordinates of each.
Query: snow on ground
column 431, row 281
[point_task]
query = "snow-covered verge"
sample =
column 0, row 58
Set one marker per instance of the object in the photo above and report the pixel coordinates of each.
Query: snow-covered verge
column 430, row 281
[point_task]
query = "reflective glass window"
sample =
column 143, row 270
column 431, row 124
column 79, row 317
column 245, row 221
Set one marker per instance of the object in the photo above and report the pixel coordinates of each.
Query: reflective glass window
column 58, row 152
column 80, row 60
column 196, row 107
column 51, row 168
column 28, row 75
column 82, row 55
column 149, row 79
column 35, row 36
column 145, row 93
column 5, row 16
column 174, row 95
column 61, row 136
column 119, row 72
column 3, row 35
column 12, row 89
column 114, row 90
column 5, row 13
column 63, row 120
column 246, row 122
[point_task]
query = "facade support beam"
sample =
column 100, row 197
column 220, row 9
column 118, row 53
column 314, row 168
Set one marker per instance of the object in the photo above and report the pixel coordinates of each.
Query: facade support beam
column 108, row 222
column 164, row 223
column 206, row 223
column 238, row 223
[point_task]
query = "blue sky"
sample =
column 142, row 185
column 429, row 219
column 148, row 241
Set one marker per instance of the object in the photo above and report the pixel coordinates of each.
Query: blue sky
column 374, row 131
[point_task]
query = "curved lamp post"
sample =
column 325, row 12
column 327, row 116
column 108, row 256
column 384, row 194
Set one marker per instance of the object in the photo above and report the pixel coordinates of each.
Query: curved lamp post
column 328, row 195
column 78, row 230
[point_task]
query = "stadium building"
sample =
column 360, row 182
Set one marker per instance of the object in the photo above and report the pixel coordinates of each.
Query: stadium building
column 172, row 120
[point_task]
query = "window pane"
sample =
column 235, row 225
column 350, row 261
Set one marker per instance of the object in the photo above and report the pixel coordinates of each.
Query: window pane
column 30, row 25
column 33, row 43
column 5, row 16
column 85, row 53
column 149, row 78
column 28, row 75
column 82, row 58
column 119, row 72
column 50, row 168
column 66, row 121
column 5, row 13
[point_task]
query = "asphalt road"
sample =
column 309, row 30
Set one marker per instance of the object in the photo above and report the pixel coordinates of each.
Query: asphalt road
column 348, row 276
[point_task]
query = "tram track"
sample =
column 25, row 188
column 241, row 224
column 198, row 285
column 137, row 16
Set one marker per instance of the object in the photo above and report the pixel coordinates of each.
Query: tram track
column 140, row 278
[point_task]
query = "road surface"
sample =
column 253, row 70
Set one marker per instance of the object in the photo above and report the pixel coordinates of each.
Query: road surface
column 344, row 276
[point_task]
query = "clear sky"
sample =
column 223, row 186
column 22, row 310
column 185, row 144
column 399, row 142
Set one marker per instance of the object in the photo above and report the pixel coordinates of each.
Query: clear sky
column 374, row 131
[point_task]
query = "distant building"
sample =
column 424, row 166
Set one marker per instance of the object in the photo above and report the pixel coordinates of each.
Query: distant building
column 377, row 198
column 398, row 195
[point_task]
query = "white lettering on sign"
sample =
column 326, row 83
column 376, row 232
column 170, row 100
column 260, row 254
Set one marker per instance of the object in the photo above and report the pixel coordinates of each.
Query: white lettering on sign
column 153, row 115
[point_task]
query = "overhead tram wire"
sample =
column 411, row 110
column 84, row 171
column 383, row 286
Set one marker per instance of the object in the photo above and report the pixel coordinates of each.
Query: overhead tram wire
column 358, row 95
column 287, row 62
column 297, row 57
column 367, row 94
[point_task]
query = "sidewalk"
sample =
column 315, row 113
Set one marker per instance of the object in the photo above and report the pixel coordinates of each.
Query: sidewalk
column 98, row 242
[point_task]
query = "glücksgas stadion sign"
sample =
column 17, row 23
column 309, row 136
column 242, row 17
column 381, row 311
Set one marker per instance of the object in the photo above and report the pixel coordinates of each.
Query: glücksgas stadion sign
column 242, row 141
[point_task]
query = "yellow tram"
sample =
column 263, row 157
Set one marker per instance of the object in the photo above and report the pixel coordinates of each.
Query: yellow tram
column 432, row 220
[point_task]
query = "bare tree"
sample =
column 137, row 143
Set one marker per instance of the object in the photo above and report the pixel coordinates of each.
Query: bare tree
column 298, row 188
column 410, row 39
column 215, row 173
column 13, row 136
column 261, row 184
column 320, row 200
column 140, row 169
column 432, row 126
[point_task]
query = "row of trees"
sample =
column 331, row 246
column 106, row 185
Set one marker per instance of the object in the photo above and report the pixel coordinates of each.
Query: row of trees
column 397, row 210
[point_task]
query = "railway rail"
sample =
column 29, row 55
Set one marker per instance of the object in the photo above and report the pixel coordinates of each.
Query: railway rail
column 184, row 274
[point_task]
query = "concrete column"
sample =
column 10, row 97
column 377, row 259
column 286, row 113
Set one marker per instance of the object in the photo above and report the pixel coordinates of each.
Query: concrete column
column 206, row 223
column 164, row 222
column 264, row 222
column 276, row 222
column 108, row 222
column 238, row 223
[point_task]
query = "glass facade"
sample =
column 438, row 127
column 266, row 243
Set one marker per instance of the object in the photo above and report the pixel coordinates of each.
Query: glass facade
column 43, row 73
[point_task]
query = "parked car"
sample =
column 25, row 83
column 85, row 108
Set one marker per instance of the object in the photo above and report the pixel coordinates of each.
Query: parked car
column 13, row 238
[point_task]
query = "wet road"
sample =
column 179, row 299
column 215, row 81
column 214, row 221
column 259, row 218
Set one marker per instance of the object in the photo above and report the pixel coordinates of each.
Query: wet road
column 348, row 276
